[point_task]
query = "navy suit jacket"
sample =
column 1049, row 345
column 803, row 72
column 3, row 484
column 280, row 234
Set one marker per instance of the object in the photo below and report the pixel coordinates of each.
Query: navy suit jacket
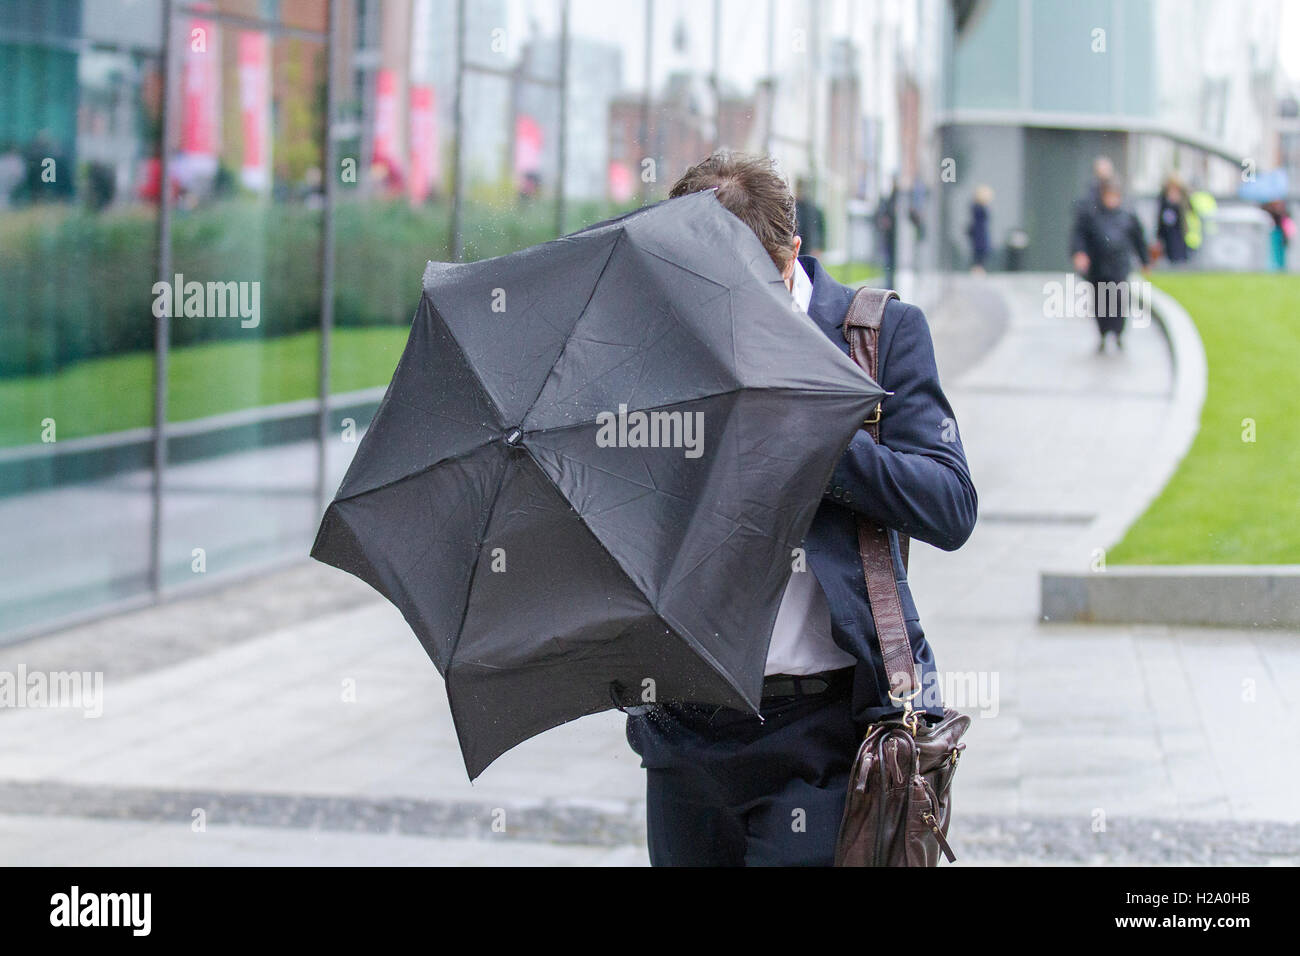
column 915, row 481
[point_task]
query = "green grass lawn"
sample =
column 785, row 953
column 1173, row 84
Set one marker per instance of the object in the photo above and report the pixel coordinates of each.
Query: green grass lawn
column 116, row 392
column 1233, row 501
column 855, row 273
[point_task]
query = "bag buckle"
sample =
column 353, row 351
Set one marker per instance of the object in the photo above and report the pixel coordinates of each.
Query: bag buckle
column 875, row 416
column 911, row 717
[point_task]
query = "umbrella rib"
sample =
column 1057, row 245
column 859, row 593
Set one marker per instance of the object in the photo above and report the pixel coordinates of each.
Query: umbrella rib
column 451, row 334
column 678, row 265
column 686, row 329
column 702, row 651
column 654, row 489
column 555, row 429
column 613, row 246
column 432, row 413
column 479, row 538
column 420, row 471
column 640, row 354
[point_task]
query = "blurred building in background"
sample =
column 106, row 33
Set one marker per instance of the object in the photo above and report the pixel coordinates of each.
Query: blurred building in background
column 1034, row 91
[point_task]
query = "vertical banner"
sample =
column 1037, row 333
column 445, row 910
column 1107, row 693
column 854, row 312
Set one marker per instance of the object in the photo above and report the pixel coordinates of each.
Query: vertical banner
column 385, row 132
column 200, row 106
column 528, row 154
column 620, row 183
column 254, row 109
column 424, row 164
column 424, row 144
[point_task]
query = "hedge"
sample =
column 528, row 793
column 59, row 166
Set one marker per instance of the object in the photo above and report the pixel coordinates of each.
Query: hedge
column 76, row 284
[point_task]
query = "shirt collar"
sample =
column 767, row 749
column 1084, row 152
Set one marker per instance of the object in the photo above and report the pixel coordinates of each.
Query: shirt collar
column 803, row 289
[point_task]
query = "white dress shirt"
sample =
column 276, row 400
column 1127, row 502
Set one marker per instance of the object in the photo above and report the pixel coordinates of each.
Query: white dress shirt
column 801, row 639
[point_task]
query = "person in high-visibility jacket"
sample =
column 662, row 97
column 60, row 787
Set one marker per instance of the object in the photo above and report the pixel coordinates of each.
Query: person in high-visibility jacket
column 1201, row 208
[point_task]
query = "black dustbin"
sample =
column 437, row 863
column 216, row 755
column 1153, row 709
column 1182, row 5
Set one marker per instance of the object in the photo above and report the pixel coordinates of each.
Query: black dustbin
column 1017, row 243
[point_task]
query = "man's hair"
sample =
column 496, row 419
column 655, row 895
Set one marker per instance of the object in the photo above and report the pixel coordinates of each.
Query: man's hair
column 751, row 189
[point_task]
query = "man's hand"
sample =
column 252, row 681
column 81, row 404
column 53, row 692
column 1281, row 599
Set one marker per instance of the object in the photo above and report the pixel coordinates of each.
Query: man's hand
column 1081, row 262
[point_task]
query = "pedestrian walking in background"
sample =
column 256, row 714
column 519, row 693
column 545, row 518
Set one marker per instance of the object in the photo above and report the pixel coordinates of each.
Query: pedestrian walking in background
column 918, row 198
column 809, row 219
column 1171, row 221
column 1105, row 242
column 1103, row 170
column 1200, row 212
column 978, row 230
column 887, row 229
column 1282, row 234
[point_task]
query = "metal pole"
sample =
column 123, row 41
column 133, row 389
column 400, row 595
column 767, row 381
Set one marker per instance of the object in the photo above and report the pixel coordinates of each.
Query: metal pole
column 455, row 241
column 562, row 147
column 769, row 108
column 716, row 78
column 327, row 254
column 644, row 138
column 812, row 61
column 162, row 325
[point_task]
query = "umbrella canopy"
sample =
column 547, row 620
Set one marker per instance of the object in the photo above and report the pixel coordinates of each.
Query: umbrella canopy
column 1266, row 187
column 586, row 480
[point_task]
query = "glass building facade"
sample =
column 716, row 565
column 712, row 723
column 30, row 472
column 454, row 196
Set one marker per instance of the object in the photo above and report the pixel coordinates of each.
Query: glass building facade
column 214, row 217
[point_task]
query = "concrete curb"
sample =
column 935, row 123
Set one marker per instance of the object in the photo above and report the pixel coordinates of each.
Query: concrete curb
column 39, row 467
column 1215, row 595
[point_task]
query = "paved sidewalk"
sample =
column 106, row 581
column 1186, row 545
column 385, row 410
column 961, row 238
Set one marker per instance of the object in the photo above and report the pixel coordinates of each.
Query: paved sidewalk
column 324, row 736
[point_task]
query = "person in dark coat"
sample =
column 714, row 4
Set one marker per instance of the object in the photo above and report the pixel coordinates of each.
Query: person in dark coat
column 809, row 219
column 1171, row 221
column 887, row 229
column 1103, row 170
column 1107, row 239
column 729, row 788
column 978, row 230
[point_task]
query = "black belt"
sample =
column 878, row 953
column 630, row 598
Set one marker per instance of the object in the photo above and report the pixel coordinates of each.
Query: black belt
column 795, row 685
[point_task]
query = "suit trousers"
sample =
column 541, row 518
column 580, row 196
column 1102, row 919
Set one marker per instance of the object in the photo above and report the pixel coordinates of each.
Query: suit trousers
column 724, row 788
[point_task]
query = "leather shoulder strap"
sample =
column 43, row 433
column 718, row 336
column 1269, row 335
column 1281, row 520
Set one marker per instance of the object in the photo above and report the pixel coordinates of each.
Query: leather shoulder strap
column 862, row 332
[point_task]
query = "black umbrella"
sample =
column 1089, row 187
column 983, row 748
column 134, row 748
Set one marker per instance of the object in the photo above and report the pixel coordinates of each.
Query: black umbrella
column 585, row 482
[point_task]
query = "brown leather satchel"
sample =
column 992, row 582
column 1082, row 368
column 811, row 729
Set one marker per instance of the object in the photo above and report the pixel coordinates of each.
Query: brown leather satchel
column 899, row 791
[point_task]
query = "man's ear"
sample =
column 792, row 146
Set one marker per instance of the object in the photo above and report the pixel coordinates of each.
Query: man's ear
column 789, row 267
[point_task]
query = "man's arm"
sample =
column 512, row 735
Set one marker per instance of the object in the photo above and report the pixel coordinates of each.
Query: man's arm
column 916, row 481
column 1079, row 237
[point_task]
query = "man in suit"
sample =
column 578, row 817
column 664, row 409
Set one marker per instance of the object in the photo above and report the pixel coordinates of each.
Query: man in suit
column 726, row 788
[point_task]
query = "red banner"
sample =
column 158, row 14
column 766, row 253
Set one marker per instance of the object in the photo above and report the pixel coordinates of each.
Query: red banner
column 201, row 90
column 528, row 153
column 424, row 144
column 254, row 108
column 385, row 149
